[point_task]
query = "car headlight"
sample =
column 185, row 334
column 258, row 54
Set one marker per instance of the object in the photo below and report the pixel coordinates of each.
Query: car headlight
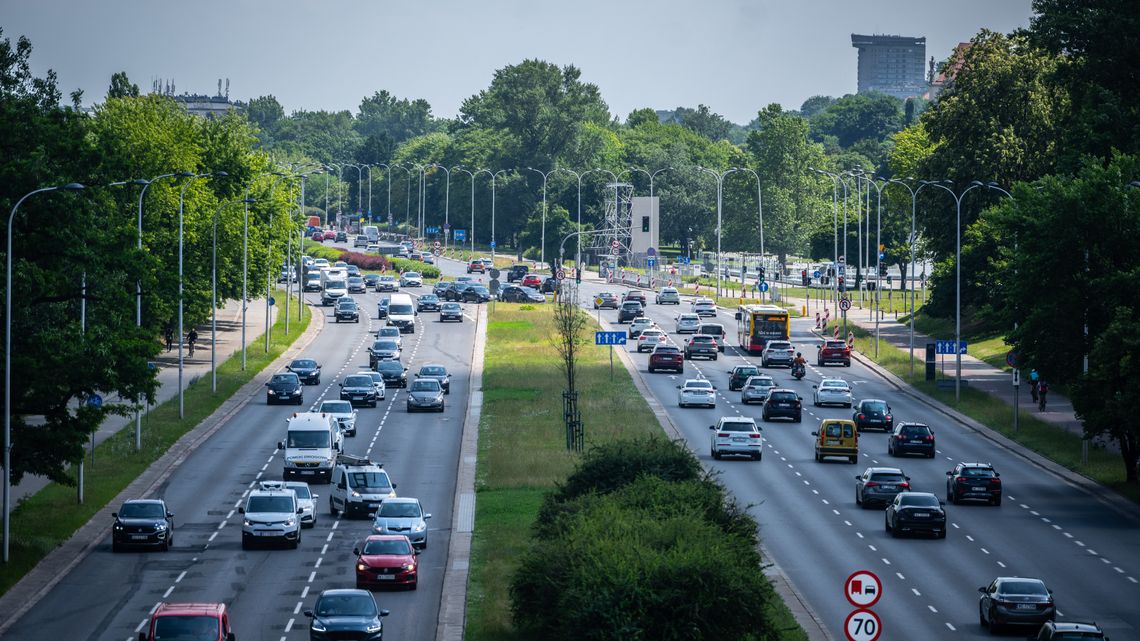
column 160, row 527
column 355, row 494
column 392, row 494
column 375, row 627
column 317, row 625
column 360, row 567
column 271, row 392
column 420, row 527
column 409, row 566
column 247, row 522
column 118, row 527
column 290, row 522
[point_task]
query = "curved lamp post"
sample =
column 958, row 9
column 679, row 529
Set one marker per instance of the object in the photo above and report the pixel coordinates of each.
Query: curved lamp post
column 542, row 236
column 471, row 177
column 214, row 297
column 719, row 176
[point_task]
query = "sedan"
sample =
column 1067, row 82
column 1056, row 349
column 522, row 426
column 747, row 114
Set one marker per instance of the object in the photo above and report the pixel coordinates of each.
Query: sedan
column 832, row 391
column 649, row 339
column 704, row 307
column 346, row 310
column 284, row 387
column 143, row 523
column 783, row 403
column 696, row 391
column 912, row 512
column 666, row 357
column 359, row 389
column 516, row 294
column 605, row 300
column 439, row 287
column 701, row 345
column 346, row 614
column 756, row 389
column 383, row 350
column 307, row 369
column 778, row 353
column 394, row 373
column 438, row 373
column 739, row 375
column 411, row 279
column 352, row 270
column 405, row 516
column 378, row 383
column 880, row 485
column 387, row 559
column 356, row 285
column 873, row 413
column 911, row 438
column 687, row 323
column 387, row 283
column 1012, row 600
column 668, row 296
column 427, row 303
column 451, row 311
column 425, row 394
column 973, row 481
column 371, row 280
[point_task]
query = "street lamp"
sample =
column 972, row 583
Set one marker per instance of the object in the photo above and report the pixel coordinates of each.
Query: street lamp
column 8, row 358
column 542, row 241
column 289, row 269
column 245, row 253
column 493, row 175
column 578, row 257
column 835, row 227
column 957, row 277
column 719, row 176
column 876, row 299
column 913, row 242
column 760, row 209
column 446, row 204
column 214, row 298
column 181, row 209
column 421, row 195
column 471, row 177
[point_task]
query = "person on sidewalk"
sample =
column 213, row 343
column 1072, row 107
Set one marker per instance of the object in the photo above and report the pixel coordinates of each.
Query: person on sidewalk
column 1034, row 381
column 168, row 333
column 191, row 338
column 1043, row 392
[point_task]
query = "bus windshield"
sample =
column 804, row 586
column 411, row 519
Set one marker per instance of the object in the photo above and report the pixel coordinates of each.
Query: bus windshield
column 766, row 327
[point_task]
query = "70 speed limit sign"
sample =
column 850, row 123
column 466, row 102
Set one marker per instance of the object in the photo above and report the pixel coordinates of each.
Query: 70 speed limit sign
column 863, row 625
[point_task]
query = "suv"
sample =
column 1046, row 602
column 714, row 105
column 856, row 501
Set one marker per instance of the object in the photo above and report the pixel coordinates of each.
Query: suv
column 701, row 345
column 359, row 389
column 668, row 296
column 476, row 266
column 973, row 481
column 358, row 486
column 411, row 279
column 640, row 325
column 143, row 522
column 911, row 438
column 778, row 352
column 736, row 435
column 833, row 351
column 629, row 311
column 347, row 310
column 716, row 330
column 516, row 272
column 271, row 515
column 1054, row 631
column 206, row 621
column 783, row 403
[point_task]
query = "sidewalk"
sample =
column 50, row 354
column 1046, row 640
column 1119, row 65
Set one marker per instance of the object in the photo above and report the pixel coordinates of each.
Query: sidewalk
column 229, row 342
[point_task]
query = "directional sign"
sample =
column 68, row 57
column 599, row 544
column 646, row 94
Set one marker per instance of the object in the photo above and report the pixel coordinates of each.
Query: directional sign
column 862, row 625
column 650, row 262
column 459, row 234
column 863, row 589
column 389, row 219
column 763, row 286
column 95, row 400
column 492, row 244
column 947, row 347
column 610, row 338
column 844, row 304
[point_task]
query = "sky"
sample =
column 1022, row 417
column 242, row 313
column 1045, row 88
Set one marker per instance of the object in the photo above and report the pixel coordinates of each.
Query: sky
column 736, row 56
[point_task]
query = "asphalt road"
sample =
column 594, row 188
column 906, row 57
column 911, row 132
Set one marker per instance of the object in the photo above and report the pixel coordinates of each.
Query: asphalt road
column 1084, row 549
column 109, row 596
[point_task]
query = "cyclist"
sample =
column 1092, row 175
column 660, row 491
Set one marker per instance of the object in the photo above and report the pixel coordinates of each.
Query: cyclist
column 191, row 338
column 1043, row 392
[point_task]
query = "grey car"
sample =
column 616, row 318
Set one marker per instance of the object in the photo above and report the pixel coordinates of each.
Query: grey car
column 436, row 372
column 756, row 389
column 450, row 311
column 879, row 485
column 383, row 350
column 668, row 296
column 425, row 394
column 402, row 516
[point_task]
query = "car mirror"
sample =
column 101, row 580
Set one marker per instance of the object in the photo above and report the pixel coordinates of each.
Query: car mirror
column 982, row 590
column 712, row 427
column 416, row 552
column 241, row 510
column 114, row 515
column 280, row 445
column 384, row 613
column 393, row 486
column 356, row 551
column 996, row 474
column 427, row 516
column 308, row 613
column 800, row 397
column 678, row 387
column 941, row 504
column 267, row 383
column 815, row 433
column 858, row 477
column 170, row 515
column 300, row 510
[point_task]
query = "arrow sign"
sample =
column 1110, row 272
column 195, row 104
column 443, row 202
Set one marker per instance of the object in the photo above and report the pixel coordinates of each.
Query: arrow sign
column 610, row 338
column 95, row 400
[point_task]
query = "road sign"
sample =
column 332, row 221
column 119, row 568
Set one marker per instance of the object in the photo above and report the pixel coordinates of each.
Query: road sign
column 614, row 251
column 492, row 244
column 763, row 286
column 1011, row 359
column 651, row 251
column 844, row 304
column 615, row 244
column 272, row 300
column 447, row 225
column 1016, row 377
column 561, row 274
column 862, row 625
column 389, row 219
column 882, row 255
column 459, row 234
column 816, row 274
column 437, row 245
column 494, row 273
column 95, row 400
column 947, row 347
column 650, row 262
column 863, row 589
column 610, row 338
column 494, row 284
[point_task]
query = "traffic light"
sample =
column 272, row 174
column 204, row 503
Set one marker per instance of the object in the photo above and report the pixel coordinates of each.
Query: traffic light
column 645, row 224
column 842, row 287
column 761, row 268
column 882, row 269
column 804, row 277
column 578, row 275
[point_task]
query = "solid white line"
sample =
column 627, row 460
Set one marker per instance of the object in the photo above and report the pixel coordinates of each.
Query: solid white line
column 1067, row 535
column 139, row 627
column 1132, row 579
column 1079, row 543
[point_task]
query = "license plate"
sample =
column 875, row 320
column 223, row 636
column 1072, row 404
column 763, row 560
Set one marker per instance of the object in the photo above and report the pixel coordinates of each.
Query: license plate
column 739, row 440
column 373, row 506
column 138, row 537
column 981, row 488
column 1026, row 606
column 833, row 442
column 783, row 404
column 888, row 487
column 265, row 533
column 921, row 515
column 358, row 398
column 308, row 472
column 385, row 577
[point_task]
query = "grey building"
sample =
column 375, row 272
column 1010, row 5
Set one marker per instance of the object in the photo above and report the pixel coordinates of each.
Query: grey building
column 894, row 65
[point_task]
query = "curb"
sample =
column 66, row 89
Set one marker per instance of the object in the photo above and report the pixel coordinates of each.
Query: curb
column 56, row 565
column 452, row 620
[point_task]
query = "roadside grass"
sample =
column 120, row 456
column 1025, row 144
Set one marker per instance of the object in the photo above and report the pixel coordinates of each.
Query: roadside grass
column 43, row 521
column 981, row 343
column 522, row 450
column 1057, row 444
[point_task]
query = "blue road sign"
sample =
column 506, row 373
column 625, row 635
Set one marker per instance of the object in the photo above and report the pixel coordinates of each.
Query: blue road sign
column 763, row 286
column 272, row 301
column 95, row 400
column 652, row 251
column 492, row 244
column 431, row 230
column 650, row 262
column 947, row 347
column 816, row 274
column 459, row 234
column 882, row 256
column 610, row 338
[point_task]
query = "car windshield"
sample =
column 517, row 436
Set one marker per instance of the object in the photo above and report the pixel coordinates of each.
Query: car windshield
column 425, row 386
column 399, row 509
column 358, row 381
column 631, row 305
column 874, row 406
column 746, row 371
column 336, row 407
column 836, row 344
column 783, row 396
column 389, row 332
column 370, row 482
column 276, row 504
column 284, row 379
column 411, row 275
column 918, row 500
column 779, row 345
column 652, row 333
column 389, row 346
column 355, row 280
column 737, row 426
column 400, row 309
column 666, row 349
column 433, row 370
column 142, row 511
column 700, row 338
column 303, row 363
column 302, row 491
column 1023, row 587
column 387, row 278
column 186, row 628
column 690, row 319
column 479, row 289
column 698, row 384
column 429, row 298
column 977, row 472
column 388, row 546
column 451, row 306
column 346, row 304
column 390, row 366
column 360, row 605
column 307, row 438
column 836, row 385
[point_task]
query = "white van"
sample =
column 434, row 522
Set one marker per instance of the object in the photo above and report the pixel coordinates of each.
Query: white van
column 311, row 444
column 402, row 313
column 372, row 233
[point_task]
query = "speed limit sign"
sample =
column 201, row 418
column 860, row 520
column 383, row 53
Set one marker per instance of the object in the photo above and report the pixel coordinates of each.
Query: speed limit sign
column 561, row 274
column 614, row 251
column 615, row 244
column 437, row 244
column 862, row 625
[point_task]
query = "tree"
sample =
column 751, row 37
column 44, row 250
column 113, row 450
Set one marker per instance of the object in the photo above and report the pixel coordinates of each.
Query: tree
column 266, row 113
column 121, row 86
column 706, row 123
column 856, row 117
column 815, row 104
column 384, row 116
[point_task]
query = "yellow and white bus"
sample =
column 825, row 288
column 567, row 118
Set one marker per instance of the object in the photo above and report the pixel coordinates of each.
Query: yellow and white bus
column 758, row 324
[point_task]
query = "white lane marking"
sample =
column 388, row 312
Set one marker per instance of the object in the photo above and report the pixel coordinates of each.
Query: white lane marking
column 168, row 591
column 985, row 551
column 900, row 576
column 886, row 561
column 969, row 538
column 139, row 627
column 932, row 609
column 318, row 563
column 952, row 628
column 1067, row 535
column 916, row 592
column 1079, row 543
column 312, row 576
column 324, row 548
column 180, row 577
column 873, row 548
column 289, row 625
column 1001, row 564
column 329, row 536
column 305, row 592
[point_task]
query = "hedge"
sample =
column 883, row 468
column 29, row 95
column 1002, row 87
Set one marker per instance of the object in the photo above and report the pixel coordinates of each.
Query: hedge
column 371, row 262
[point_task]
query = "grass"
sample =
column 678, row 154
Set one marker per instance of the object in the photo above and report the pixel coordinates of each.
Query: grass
column 522, row 451
column 43, row 521
column 984, row 344
column 1053, row 442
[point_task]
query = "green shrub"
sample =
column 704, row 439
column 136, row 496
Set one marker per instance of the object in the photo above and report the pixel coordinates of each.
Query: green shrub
column 332, row 254
column 403, row 264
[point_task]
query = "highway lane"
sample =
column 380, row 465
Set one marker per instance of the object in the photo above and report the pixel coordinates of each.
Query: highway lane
column 109, row 595
column 1085, row 550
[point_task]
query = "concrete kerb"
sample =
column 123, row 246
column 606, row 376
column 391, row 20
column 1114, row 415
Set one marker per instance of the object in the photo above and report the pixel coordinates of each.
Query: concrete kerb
column 60, row 561
column 452, row 619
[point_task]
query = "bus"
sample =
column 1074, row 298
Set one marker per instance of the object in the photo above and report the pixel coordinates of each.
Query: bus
column 758, row 324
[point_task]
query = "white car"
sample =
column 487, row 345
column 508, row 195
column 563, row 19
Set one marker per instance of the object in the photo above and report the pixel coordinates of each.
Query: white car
column 270, row 515
column 639, row 325
column 687, row 323
column 390, row 333
column 650, row 339
column 306, row 500
column 429, row 259
column 833, row 391
column 704, row 307
column 668, row 296
column 387, row 283
column 343, row 413
column 696, row 391
column 778, row 353
column 411, row 279
column 736, row 435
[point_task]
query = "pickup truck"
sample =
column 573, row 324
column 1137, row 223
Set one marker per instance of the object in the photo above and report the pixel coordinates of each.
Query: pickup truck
column 833, row 351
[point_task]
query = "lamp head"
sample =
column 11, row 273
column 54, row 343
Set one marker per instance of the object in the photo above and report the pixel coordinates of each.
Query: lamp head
column 185, row 174
column 72, row 187
column 220, row 174
column 1134, row 183
column 140, row 181
column 977, row 183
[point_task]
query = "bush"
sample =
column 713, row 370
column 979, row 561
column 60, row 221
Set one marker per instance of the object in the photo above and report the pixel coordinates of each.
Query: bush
column 426, row 270
column 642, row 562
column 332, row 254
column 370, row 262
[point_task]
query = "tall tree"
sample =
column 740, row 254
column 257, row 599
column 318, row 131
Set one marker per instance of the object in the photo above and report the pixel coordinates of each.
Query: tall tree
column 265, row 112
column 121, row 86
column 1106, row 398
column 384, row 116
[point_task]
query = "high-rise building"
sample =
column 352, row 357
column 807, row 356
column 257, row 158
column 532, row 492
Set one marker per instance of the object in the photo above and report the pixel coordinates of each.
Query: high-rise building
column 893, row 65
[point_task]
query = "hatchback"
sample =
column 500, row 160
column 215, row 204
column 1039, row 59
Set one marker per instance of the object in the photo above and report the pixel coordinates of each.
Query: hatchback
column 668, row 296
column 756, row 389
column 973, row 481
column 386, row 559
column 704, row 307
column 911, row 512
column 911, row 438
column 648, row 339
column 630, row 311
column 873, row 413
column 778, row 353
column 405, row 516
column 1012, row 600
column 346, row 614
column 879, row 485
column 832, row 391
column 701, row 345
column 425, row 394
column 783, row 403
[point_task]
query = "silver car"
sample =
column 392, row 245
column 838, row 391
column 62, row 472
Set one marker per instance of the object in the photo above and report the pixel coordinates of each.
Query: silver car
column 756, row 389
column 687, row 323
column 668, row 296
column 704, row 307
column 392, row 334
column 402, row 516
column 425, row 394
column 411, row 279
column 378, row 383
column 696, row 391
column 833, row 391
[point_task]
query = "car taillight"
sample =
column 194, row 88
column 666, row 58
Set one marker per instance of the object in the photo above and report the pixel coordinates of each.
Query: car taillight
column 797, row 403
column 961, row 479
column 861, row 417
column 722, row 434
column 929, row 437
column 995, row 481
column 888, row 417
column 904, row 485
column 871, row 484
column 754, row 435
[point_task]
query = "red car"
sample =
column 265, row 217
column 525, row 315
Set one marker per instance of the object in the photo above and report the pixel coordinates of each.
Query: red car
column 329, row 235
column 833, row 351
column 387, row 559
column 666, row 357
column 207, row 621
column 476, row 266
column 532, row 280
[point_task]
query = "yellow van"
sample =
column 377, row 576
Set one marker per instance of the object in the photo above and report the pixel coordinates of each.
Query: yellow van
column 837, row 437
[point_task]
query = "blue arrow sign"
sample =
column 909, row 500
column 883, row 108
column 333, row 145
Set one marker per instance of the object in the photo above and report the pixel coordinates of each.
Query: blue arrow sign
column 610, row 338
column 650, row 262
column 947, row 347
column 95, row 400
column 492, row 244
column 459, row 234
column 816, row 274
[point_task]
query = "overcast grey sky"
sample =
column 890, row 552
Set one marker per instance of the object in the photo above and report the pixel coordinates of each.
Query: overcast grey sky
column 733, row 55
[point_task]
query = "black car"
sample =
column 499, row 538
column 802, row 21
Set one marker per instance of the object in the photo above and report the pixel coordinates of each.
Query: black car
column 439, row 287
column 476, row 294
column 358, row 389
column 450, row 311
column 740, row 375
column 394, row 373
column 346, row 614
column 352, row 270
column 911, row 438
column 427, row 303
column 873, row 413
column 783, row 403
column 436, row 372
column 629, row 311
column 284, row 387
column 308, row 370
column 912, row 512
column 516, row 272
column 341, row 237
column 382, row 308
column 1013, row 600
column 384, row 349
column 550, row 285
column 346, row 310
column 879, row 485
column 370, row 280
column 454, row 291
column 973, row 481
column 520, row 294
column 142, row 523
column 356, row 285
column 425, row 394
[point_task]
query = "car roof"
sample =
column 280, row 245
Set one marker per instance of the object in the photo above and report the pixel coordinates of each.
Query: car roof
column 143, row 501
column 696, row 380
column 884, row 470
column 177, row 609
column 1074, row 626
column 386, row 537
column 281, row 492
column 402, row 499
column 345, row 592
column 986, row 465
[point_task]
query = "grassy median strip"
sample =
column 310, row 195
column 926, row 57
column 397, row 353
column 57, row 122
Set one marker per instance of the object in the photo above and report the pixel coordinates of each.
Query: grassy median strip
column 1053, row 442
column 43, row 521
column 522, row 450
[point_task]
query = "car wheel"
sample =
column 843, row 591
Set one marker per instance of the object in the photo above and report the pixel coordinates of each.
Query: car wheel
column 949, row 496
column 244, row 544
column 764, row 417
column 116, row 547
column 413, row 585
column 714, row 357
column 297, row 543
column 996, row 501
column 332, row 508
column 854, row 460
column 716, row 455
column 887, row 524
column 651, row 370
column 847, row 364
column 981, row 616
column 799, row 418
column 816, row 403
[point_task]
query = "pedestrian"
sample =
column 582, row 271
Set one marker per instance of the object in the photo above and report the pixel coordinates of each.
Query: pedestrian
column 1043, row 392
column 168, row 332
